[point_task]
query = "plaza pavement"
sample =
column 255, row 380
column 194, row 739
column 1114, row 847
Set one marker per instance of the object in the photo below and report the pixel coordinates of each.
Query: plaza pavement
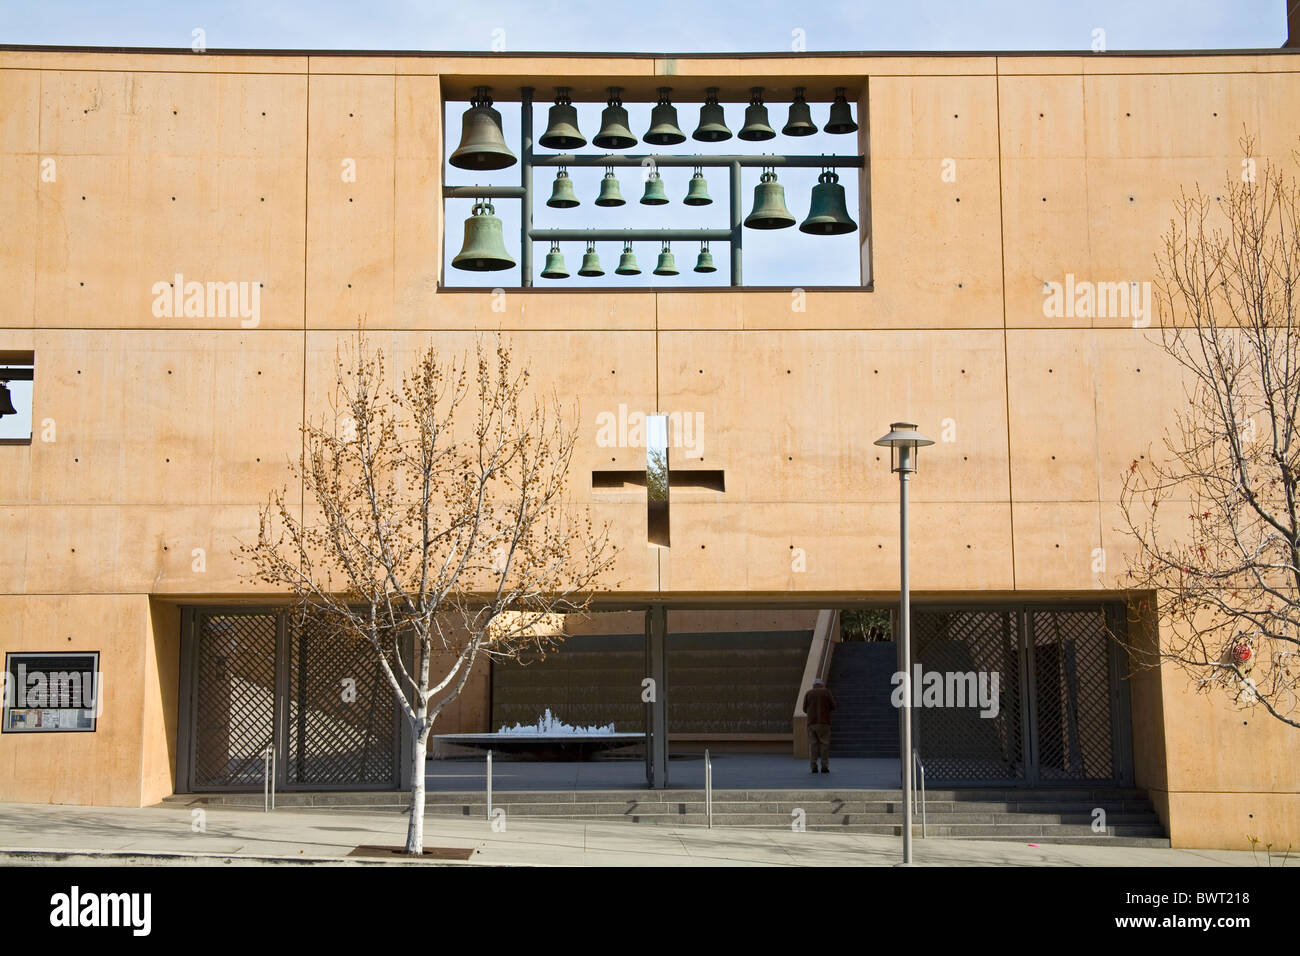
column 38, row 834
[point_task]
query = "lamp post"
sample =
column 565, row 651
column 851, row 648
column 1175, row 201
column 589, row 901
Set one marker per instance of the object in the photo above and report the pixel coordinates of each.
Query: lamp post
column 903, row 441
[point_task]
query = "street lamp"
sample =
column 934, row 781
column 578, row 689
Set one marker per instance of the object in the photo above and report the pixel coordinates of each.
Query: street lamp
column 903, row 441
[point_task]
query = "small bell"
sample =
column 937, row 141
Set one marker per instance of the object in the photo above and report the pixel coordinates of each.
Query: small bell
column 485, row 248
column 627, row 262
column 562, row 128
column 828, row 215
column 770, row 211
column 6, row 401
column 697, row 192
column 555, row 268
column 666, row 266
column 562, row 195
column 482, row 144
column 713, row 121
column 610, row 193
column 704, row 262
column 654, row 191
column 664, row 130
column 614, row 132
column 841, row 119
column 800, row 122
column 591, row 262
column 757, row 128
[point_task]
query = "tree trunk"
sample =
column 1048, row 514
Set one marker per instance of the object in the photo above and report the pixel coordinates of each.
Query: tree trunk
column 415, row 828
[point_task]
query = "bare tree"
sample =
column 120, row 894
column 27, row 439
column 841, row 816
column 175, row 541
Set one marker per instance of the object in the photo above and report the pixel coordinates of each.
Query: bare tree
column 1217, row 518
column 435, row 513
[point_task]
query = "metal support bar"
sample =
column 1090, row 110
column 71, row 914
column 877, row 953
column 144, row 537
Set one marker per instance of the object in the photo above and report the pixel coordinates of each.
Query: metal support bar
column 694, row 159
column 737, row 224
column 268, row 778
column 632, row 235
column 483, row 192
column 657, row 709
column 526, row 185
column 489, row 785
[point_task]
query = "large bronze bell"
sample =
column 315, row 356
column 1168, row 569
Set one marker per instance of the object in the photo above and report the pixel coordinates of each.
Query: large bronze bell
column 704, row 262
column 562, row 194
column 591, row 262
column 654, row 191
column 697, row 193
column 757, row 127
column 485, row 248
column 828, row 215
column 770, row 211
column 666, row 265
column 6, row 401
column 482, row 144
column 562, row 128
column 800, row 122
column 610, row 193
column 555, row 268
column 713, row 121
column 614, row 131
column 663, row 129
column 841, row 119
column 627, row 262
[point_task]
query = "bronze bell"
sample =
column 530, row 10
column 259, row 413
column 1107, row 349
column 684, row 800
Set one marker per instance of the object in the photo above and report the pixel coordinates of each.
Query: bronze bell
column 713, row 122
column 828, row 215
column 757, row 127
column 610, row 193
column 562, row 194
column 562, row 129
column 664, row 130
column 697, row 192
column 614, row 132
column 591, row 262
column 482, row 144
column 770, row 211
column 555, row 268
column 6, row 401
column 485, row 248
column 627, row 262
column 704, row 262
column 654, row 191
column 666, row 265
column 841, row 119
column 800, row 122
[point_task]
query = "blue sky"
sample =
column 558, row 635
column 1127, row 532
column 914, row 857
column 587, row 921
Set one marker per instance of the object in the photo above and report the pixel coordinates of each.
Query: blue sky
column 680, row 26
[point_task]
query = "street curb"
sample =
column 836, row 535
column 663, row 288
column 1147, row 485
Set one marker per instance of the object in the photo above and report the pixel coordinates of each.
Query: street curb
column 36, row 856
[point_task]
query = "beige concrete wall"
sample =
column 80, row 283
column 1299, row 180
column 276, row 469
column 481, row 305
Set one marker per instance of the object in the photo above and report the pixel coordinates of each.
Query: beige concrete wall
column 168, row 432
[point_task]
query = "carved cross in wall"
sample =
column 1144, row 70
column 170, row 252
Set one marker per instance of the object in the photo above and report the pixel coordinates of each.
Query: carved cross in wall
column 658, row 479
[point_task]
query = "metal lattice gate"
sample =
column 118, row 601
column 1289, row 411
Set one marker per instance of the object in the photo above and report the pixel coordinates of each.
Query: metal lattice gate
column 1060, row 714
column 253, row 679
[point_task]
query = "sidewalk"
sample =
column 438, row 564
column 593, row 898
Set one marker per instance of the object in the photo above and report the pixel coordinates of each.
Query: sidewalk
column 41, row 834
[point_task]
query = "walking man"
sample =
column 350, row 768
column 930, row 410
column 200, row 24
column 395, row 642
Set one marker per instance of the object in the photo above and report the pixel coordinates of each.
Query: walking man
column 818, row 705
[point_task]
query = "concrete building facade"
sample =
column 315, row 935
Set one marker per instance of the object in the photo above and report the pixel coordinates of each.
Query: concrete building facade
column 156, row 438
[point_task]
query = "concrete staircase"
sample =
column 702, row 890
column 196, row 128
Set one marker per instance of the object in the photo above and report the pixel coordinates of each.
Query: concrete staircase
column 1037, row 816
column 865, row 723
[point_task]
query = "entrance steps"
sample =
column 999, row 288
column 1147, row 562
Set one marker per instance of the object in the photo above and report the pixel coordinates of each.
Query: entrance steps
column 1038, row 816
column 865, row 723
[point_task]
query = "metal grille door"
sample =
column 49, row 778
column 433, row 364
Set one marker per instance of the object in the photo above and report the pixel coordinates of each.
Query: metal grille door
column 1072, row 701
column 234, row 699
column 252, row 680
column 955, row 742
column 342, row 715
column 1062, row 707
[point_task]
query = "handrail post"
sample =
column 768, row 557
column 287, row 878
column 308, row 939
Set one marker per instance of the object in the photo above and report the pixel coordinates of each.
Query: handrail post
column 489, row 784
column 708, row 787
